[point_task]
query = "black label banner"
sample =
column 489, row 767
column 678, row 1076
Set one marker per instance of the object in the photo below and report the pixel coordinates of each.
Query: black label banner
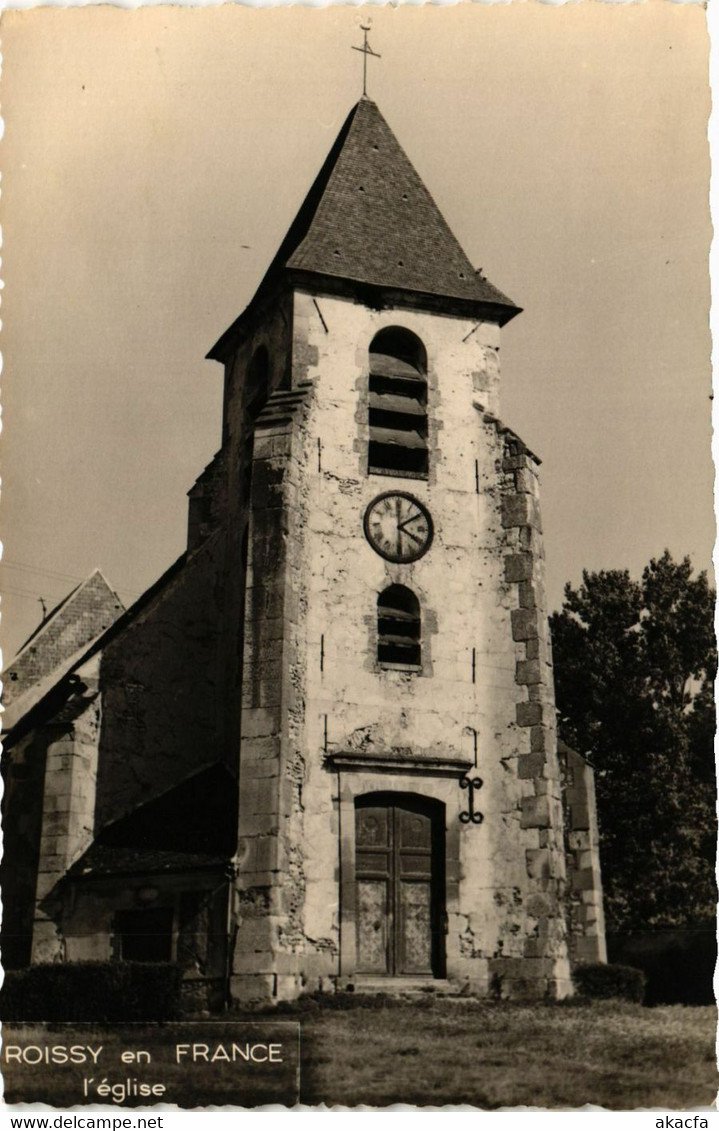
column 191, row 1064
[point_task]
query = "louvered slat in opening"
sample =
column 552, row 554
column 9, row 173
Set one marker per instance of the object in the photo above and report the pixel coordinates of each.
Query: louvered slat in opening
column 403, row 438
column 388, row 638
column 394, row 402
column 385, row 365
column 407, row 653
column 391, row 459
column 388, row 613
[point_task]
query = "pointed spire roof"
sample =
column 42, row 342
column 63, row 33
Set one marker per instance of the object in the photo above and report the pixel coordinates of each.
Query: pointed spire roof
column 369, row 219
column 376, row 222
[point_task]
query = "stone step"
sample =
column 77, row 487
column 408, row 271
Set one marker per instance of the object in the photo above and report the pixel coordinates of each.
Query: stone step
column 366, row 984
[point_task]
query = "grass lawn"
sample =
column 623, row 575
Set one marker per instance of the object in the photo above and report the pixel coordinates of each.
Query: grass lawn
column 613, row 1054
column 439, row 1051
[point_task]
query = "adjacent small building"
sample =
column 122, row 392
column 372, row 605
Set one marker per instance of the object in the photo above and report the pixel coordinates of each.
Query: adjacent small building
column 321, row 752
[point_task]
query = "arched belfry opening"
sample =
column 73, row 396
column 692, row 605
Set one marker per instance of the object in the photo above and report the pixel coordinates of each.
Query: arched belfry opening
column 401, row 344
column 398, row 405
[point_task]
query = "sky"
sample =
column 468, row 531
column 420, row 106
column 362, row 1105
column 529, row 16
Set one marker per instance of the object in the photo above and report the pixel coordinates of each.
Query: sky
column 154, row 158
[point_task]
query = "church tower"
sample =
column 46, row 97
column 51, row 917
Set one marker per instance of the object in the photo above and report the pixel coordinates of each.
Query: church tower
column 400, row 814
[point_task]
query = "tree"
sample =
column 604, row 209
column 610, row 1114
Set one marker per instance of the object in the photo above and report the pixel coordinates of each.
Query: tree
column 634, row 665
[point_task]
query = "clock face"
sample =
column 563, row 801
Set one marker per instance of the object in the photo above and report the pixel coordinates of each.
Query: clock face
column 398, row 527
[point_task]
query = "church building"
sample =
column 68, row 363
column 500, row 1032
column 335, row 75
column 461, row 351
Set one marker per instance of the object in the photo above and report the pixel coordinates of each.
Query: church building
column 321, row 751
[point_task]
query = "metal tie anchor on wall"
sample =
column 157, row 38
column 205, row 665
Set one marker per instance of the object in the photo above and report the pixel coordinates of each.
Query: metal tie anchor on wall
column 471, row 815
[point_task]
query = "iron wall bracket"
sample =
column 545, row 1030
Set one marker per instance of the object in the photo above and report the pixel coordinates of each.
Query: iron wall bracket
column 471, row 815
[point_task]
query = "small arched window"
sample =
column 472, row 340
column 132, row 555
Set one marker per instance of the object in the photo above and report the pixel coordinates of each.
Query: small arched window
column 399, row 627
column 397, row 405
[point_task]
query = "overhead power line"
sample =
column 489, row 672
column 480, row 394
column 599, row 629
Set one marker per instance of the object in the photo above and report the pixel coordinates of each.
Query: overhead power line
column 25, row 567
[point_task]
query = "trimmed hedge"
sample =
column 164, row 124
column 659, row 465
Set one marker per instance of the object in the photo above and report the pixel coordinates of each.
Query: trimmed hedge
column 92, row 991
column 678, row 962
column 606, row 980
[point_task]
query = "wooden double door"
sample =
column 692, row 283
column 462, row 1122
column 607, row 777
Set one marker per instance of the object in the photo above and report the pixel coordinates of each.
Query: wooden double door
column 399, row 870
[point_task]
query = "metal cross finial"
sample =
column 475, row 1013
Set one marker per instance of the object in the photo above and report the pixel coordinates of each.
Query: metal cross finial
column 366, row 50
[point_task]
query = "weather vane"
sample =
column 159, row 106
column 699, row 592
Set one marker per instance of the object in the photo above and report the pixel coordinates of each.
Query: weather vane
column 366, row 50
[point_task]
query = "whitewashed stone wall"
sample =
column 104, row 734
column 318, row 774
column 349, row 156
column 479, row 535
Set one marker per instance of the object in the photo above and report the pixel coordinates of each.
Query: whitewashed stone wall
column 481, row 590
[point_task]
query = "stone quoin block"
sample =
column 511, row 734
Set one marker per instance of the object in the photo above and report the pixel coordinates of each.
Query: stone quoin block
column 253, row 988
column 530, row 765
column 526, row 595
column 529, row 714
column 515, row 511
column 542, row 693
column 579, row 816
column 525, row 480
column 518, row 567
column 586, row 949
column 535, row 813
column 538, row 649
column 583, row 880
column 528, row 671
column 525, row 624
column 514, row 462
column 538, row 739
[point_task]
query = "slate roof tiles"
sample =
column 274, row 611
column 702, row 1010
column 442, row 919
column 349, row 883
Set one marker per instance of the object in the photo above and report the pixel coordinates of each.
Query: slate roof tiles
column 375, row 222
column 369, row 219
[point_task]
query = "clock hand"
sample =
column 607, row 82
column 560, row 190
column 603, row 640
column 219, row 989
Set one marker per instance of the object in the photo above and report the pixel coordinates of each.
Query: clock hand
column 398, row 515
column 413, row 537
column 412, row 518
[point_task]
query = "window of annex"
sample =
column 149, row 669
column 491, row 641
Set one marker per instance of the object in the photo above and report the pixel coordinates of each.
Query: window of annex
column 145, row 934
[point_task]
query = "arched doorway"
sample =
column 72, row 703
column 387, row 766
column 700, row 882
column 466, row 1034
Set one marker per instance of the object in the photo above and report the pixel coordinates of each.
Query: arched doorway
column 399, row 873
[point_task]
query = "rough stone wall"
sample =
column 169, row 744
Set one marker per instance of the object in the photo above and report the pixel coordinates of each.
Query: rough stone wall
column 68, row 806
column 92, row 608
column 207, row 501
column 272, row 771
column 271, row 335
column 162, row 685
column 587, row 941
column 171, row 679
column 352, row 702
column 23, row 776
column 168, row 682
column 259, row 459
column 199, row 903
column 544, row 958
column 484, row 696
column 273, row 331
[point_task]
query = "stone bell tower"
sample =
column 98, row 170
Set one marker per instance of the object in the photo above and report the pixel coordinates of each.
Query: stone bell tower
column 400, row 817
